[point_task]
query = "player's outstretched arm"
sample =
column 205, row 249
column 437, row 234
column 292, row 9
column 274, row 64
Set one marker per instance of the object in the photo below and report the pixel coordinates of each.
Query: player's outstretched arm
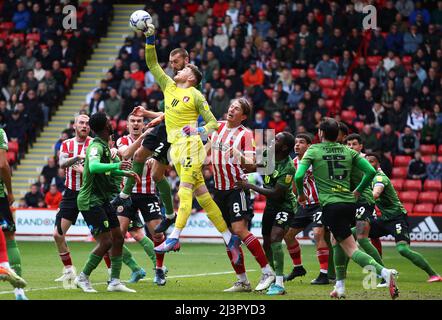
column 369, row 173
column 152, row 61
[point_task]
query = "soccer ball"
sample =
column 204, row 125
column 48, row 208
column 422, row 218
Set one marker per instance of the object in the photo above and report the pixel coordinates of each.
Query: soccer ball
column 139, row 20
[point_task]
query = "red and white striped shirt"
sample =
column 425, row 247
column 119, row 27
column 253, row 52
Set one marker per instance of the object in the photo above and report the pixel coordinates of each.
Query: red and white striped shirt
column 227, row 171
column 72, row 148
column 147, row 185
column 310, row 189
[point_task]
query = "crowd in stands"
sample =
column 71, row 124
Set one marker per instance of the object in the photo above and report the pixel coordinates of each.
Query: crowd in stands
column 38, row 60
column 297, row 62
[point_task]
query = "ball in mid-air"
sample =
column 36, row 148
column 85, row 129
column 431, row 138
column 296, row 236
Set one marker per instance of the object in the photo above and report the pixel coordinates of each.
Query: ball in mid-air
column 139, row 20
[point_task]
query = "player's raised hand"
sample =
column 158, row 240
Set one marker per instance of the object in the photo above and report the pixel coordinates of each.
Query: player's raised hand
column 138, row 111
column 302, row 200
column 133, row 175
column 125, row 165
column 154, row 122
column 114, row 153
column 150, row 30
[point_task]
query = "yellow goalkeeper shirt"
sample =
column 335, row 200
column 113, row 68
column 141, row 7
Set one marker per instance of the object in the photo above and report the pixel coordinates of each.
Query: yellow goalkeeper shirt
column 182, row 107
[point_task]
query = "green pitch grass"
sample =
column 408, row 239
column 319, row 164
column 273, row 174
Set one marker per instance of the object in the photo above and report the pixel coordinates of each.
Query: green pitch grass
column 202, row 271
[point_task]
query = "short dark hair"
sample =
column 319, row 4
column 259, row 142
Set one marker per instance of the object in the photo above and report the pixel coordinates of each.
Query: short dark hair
column 330, row 128
column 196, row 72
column 374, row 154
column 343, row 127
column 289, row 140
column 353, row 136
column 98, row 122
column 304, row 136
column 181, row 51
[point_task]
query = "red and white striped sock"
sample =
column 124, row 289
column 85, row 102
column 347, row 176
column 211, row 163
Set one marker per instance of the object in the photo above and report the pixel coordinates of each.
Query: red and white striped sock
column 3, row 250
column 159, row 256
column 376, row 242
column 255, row 248
column 66, row 259
column 322, row 254
column 239, row 268
column 295, row 253
column 107, row 260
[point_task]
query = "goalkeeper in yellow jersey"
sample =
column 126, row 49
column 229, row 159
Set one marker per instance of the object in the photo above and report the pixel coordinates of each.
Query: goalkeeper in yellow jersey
column 183, row 105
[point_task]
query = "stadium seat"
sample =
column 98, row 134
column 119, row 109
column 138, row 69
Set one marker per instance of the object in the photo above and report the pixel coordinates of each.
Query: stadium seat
column 268, row 93
column 19, row 36
column 11, row 157
column 33, row 36
column 114, row 124
column 402, row 161
column 339, row 83
column 408, row 206
column 408, row 196
column 397, row 184
column 330, row 93
column 412, row 185
column 330, row 103
column 326, row 83
column 372, row 61
column 437, row 208
column 13, row 146
column 122, row 125
column 423, row 208
column 440, row 198
column 439, row 150
column 400, row 173
column 428, row 149
column 359, row 125
column 68, row 73
column 259, row 205
column 311, row 73
column 7, row 26
column 426, row 159
column 428, row 197
column 406, row 60
column 348, row 115
column 433, row 185
column 296, row 72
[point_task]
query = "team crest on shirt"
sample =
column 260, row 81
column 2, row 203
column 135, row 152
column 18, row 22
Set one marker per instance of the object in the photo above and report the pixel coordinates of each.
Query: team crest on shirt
column 379, row 179
column 288, row 178
column 186, row 99
column 206, row 106
column 275, row 173
column 93, row 152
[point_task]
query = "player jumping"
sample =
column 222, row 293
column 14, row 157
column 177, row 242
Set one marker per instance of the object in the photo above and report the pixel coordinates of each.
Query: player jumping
column 332, row 165
column 235, row 204
column 394, row 219
column 94, row 203
column 7, row 222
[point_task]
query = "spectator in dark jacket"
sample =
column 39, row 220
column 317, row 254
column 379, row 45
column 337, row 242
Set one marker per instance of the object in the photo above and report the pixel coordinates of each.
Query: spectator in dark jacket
column 408, row 142
column 33, row 197
column 417, row 169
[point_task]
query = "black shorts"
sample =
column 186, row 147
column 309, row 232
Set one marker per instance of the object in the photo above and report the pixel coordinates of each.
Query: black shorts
column 101, row 219
column 397, row 227
column 6, row 219
column 364, row 211
column 149, row 207
column 339, row 218
column 275, row 218
column 235, row 205
column 303, row 217
column 68, row 208
column 156, row 141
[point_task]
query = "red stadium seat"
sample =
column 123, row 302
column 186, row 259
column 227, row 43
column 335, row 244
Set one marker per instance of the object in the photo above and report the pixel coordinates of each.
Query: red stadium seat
column 402, row 161
column 428, row 197
column 348, row 115
column 68, row 73
column 400, row 173
column 114, row 124
column 397, row 184
column 373, row 61
column 426, row 159
column 19, row 36
column 122, row 126
column 408, row 196
column 423, row 208
column 259, row 205
column 428, row 149
column 330, row 93
column 433, row 185
column 413, row 185
column 359, row 125
column 339, row 83
column 7, row 26
column 408, row 206
column 11, row 157
column 406, row 60
column 13, row 146
column 440, row 198
column 33, row 36
column 296, row 72
column 330, row 103
column 268, row 93
column 439, row 150
column 326, row 83
column 311, row 73
column 438, row 208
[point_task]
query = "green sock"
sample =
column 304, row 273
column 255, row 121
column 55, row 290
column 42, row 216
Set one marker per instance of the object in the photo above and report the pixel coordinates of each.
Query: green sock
column 341, row 262
column 269, row 255
column 278, row 258
column 116, row 264
column 368, row 247
column 92, row 262
column 14, row 256
column 415, row 257
column 331, row 262
column 148, row 246
column 166, row 196
column 363, row 259
column 137, row 167
column 129, row 260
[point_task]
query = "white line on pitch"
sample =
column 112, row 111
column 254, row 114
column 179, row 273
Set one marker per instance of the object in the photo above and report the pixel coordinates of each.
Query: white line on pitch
column 145, row 279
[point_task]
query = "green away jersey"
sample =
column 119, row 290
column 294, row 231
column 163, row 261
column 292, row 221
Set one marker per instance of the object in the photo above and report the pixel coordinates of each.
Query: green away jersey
column 96, row 188
column 355, row 179
column 388, row 202
column 283, row 175
column 332, row 168
column 4, row 146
